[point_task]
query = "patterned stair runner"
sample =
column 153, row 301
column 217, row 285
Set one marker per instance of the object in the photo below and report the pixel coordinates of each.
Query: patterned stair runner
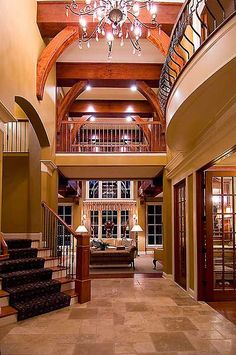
column 30, row 285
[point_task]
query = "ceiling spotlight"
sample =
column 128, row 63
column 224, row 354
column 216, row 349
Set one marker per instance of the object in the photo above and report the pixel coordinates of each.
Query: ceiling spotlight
column 129, row 119
column 133, row 88
column 92, row 118
column 88, row 87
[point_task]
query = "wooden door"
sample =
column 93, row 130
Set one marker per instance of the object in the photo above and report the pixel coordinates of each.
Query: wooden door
column 180, row 233
column 220, row 235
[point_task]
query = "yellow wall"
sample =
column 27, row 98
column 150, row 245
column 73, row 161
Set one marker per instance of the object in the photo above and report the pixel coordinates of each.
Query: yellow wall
column 15, row 197
column 167, row 223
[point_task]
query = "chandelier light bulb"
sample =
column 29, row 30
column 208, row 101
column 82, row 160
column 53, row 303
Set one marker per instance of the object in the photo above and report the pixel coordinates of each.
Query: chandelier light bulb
column 83, row 22
column 109, row 36
column 153, row 10
column 136, row 9
column 87, row 2
column 88, row 44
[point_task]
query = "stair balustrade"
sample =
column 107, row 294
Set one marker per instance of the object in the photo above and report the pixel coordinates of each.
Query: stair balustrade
column 16, row 137
column 71, row 248
column 197, row 22
column 91, row 137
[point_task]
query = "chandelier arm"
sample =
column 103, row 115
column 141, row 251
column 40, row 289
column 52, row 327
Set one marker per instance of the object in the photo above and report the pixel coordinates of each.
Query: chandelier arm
column 86, row 39
column 150, row 27
column 137, row 47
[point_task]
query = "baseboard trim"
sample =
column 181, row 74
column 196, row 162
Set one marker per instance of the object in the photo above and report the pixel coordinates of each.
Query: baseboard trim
column 191, row 293
column 33, row 236
column 168, row 276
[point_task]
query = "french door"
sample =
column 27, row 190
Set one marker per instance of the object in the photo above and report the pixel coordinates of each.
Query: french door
column 180, row 233
column 220, row 235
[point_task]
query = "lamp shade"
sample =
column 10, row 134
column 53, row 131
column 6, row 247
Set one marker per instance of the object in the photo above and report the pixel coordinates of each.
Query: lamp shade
column 81, row 229
column 136, row 228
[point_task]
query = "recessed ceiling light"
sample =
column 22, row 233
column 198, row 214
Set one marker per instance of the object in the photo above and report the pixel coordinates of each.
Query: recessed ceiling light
column 133, row 88
column 129, row 109
column 90, row 108
column 88, row 87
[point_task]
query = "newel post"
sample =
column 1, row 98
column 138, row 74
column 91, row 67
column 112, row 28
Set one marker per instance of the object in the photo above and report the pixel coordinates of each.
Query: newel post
column 82, row 281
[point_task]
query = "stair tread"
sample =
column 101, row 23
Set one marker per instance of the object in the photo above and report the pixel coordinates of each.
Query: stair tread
column 64, row 280
column 40, row 300
column 57, row 268
column 28, row 260
column 46, row 258
column 71, row 293
column 7, row 311
column 32, row 285
column 43, row 249
column 3, row 293
column 21, row 272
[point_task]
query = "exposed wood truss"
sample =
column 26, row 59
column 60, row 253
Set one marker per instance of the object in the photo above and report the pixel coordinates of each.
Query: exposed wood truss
column 152, row 98
column 111, row 108
column 50, row 54
column 108, row 74
column 160, row 39
column 65, row 104
column 51, row 17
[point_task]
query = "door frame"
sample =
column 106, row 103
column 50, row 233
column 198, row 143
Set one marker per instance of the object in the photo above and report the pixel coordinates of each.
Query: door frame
column 177, row 273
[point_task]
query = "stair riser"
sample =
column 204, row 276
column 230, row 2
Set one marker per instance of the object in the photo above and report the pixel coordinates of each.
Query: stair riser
column 68, row 286
column 8, row 320
column 74, row 300
column 0, row 284
column 4, row 301
column 43, row 253
column 35, row 244
column 51, row 263
column 57, row 274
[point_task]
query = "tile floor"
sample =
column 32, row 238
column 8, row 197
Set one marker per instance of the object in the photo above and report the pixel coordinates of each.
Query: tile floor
column 125, row 316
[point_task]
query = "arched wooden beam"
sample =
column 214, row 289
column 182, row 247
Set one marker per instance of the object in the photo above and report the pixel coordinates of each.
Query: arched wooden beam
column 34, row 119
column 144, row 127
column 65, row 104
column 51, row 53
column 77, row 126
column 152, row 98
column 160, row 40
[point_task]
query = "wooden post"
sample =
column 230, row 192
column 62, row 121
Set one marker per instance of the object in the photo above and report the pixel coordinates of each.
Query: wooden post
column 82, row 281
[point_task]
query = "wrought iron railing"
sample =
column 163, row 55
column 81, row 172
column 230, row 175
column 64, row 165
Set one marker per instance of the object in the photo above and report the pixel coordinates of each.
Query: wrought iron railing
column 60, row 239
column 16, row 139
column 198, row 20
column 110, row 138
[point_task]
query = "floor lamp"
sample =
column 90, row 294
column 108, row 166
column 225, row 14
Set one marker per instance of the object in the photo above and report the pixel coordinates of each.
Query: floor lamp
column 136, row 228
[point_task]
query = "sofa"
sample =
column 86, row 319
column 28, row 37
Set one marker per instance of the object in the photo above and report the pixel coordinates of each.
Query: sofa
column 113, row 256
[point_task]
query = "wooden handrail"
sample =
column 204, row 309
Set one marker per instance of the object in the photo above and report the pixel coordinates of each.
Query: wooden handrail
column 59, row 219
column 4, row 247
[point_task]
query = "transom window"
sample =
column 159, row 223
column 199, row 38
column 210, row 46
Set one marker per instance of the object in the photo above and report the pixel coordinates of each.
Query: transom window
column 109, row 189
column 154, row 225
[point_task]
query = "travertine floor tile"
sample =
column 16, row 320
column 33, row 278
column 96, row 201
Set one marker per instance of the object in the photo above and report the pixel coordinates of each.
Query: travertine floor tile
column 125, row 316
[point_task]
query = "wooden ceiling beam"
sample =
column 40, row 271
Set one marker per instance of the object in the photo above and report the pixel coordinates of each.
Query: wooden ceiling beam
column 65, row 104
column 51, row 17
column 108, row 108
column 50, row 54
column 108, row 73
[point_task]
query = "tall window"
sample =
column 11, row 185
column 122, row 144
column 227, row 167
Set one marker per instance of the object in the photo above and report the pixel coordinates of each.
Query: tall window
column 109, row 216
column 109, row 189
column 119, row 218
column 65, row 212
column 94, row 222
column 154, row 225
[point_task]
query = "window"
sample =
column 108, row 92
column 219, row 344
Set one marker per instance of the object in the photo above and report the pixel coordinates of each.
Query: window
column 154, row 224
column 109, row 216
column 109, row 189
column 94, row 223
column 65, row 212
column 119, row 218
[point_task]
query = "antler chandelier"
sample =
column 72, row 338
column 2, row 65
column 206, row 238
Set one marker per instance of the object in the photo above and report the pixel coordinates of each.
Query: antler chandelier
column 114, row 19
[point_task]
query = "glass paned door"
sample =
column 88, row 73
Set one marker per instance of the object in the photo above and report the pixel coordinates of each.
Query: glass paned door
column 180, row 233
column 220, row 235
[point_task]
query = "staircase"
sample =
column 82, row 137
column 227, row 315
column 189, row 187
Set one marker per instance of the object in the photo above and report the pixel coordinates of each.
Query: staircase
column 31, row 282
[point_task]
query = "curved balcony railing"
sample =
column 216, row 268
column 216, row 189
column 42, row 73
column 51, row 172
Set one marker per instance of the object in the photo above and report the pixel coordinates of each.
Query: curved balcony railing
column 198, row 21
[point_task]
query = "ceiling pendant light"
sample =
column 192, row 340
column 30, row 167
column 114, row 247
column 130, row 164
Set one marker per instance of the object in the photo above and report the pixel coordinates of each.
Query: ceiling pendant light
column 113, row 19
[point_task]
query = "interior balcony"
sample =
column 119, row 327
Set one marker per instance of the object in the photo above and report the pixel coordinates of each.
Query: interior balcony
column 116, row 150
column 197, row 82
